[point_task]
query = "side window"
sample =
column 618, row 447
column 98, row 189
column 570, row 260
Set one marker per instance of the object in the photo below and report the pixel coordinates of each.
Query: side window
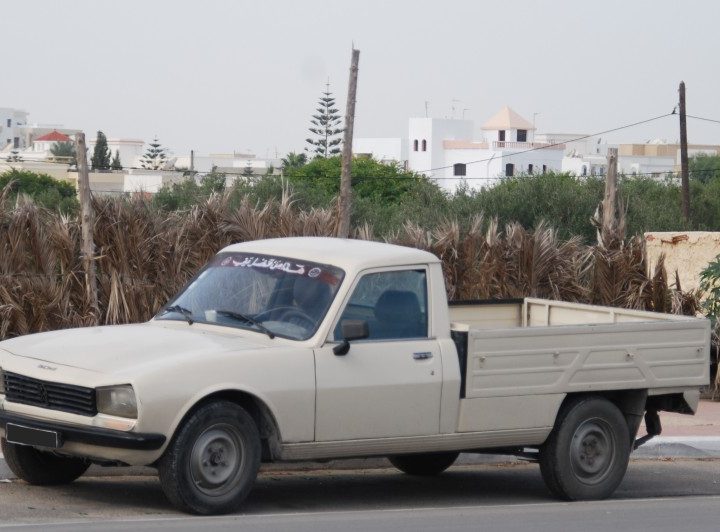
column 394, row 304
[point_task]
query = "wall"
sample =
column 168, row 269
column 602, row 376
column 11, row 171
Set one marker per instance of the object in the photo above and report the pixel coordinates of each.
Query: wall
column 102, row 183
column 54, row 170
column 382, row 149
column 687, row 252
column 149, row 181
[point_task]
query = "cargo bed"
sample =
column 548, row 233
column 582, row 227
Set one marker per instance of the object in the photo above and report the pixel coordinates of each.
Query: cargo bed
column 526, row 355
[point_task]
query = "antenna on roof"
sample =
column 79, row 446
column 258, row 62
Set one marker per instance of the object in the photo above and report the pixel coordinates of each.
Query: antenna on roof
column 452, row 106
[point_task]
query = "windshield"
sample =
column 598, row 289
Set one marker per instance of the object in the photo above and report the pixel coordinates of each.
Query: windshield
column 275, row 295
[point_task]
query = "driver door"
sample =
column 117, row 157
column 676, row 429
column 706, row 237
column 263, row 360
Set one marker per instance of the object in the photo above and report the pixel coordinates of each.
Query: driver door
column 389, row 384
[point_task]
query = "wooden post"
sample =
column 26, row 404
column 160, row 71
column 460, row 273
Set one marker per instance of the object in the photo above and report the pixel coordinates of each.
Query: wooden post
column 609, row 214
column 684, row 156
column 87, row 221
column 345, row 205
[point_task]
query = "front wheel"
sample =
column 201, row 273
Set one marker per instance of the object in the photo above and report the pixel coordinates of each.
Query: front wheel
column 42, row 468
column 587, row 453
column 424, row 465
column 211, row 464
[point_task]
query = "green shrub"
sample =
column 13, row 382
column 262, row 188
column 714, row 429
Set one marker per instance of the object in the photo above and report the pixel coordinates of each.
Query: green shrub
column 42, row 188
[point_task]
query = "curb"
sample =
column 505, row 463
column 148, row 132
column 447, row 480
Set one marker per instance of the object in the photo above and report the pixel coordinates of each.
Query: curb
column 660, row 448
column 664, row 447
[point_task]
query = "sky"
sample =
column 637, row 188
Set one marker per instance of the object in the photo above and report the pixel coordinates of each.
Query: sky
column 219, row 76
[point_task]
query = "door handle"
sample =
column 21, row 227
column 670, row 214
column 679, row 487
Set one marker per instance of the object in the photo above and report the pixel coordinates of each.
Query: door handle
column 423, row 355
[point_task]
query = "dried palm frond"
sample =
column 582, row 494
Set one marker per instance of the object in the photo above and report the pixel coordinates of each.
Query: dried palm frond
column 144, row 256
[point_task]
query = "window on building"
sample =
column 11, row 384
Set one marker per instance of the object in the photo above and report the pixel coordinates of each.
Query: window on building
column 522, row 135
column 544, row 169
column 584, row 170
column 509, row 169
column 9, row 122
column 501, row 135
column 16, row 142
column 530, row 169
column 459, row 169
column 415, row 145
column 424, row 145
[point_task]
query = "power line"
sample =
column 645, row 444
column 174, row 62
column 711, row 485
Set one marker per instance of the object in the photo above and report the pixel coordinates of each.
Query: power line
column 703, row 119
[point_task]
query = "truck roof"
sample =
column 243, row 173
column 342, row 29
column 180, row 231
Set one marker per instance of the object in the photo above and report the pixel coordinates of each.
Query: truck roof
column 348, row 254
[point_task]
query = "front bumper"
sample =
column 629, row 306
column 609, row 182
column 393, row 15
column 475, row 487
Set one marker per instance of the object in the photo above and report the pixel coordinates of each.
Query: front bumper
column 89, row 435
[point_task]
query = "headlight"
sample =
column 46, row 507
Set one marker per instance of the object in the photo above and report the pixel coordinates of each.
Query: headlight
column 2, row 382
column 117, row 401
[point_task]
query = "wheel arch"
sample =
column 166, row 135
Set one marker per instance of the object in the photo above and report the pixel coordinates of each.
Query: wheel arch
column 257, row 408
column 631, row 404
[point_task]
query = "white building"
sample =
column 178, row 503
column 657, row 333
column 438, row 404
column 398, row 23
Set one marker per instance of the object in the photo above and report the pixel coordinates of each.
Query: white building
column 130, row 150
column 12, row 124
column 446, row 150
column 19, row 137
column 586, row 155
column 44, row 143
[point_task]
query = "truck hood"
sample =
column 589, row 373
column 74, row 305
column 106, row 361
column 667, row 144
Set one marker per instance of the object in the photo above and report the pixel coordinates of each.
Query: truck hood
column 114, row 348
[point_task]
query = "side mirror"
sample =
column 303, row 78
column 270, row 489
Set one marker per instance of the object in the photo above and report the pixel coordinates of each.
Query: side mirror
column 351, row 330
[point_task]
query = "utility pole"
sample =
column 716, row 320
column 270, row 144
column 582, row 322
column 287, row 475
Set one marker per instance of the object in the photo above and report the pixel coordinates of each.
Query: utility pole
column 684, row 156
column 87, row 221
column 345, row 176
column 609, row 204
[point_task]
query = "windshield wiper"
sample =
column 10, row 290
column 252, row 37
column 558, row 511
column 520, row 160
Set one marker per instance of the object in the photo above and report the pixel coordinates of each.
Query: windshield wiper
column 247, row 319
column 180, row 310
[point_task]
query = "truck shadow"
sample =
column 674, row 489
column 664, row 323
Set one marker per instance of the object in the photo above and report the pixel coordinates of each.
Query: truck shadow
column 351, row 490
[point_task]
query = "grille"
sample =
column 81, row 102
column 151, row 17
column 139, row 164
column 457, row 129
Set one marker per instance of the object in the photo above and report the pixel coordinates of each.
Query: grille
column 51, row 395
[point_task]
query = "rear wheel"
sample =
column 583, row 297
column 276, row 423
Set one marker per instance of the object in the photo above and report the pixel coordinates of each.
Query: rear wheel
column 42, row 468
column 587, row 453
column 427, row 464
column 211, row 464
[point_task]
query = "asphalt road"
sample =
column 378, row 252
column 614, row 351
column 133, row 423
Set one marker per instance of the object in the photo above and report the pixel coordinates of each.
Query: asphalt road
column 658, row 495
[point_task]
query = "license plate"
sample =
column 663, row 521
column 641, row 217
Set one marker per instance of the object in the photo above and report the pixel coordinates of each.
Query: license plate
column 30, row 436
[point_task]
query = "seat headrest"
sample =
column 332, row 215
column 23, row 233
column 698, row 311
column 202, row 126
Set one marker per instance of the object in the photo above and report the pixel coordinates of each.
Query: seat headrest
column 397, row 305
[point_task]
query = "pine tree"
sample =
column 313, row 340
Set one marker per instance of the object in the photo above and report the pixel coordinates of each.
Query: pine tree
column 248, row 170
column 101, row 154
column 154, row 158
column 325, row 127
column 116, row 164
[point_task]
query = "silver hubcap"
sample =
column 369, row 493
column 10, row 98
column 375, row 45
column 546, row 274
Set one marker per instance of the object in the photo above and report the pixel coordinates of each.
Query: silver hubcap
column 216, row 459
column 592, row 451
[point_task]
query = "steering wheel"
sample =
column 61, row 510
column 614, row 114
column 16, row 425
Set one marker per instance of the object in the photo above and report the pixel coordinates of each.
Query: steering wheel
column 289, row 314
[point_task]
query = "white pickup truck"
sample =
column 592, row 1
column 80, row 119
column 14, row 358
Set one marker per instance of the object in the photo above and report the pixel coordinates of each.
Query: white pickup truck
column 319, row 348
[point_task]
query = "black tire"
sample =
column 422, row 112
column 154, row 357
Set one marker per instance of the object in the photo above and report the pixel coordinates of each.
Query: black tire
column 211, row 464
column 423, row 465
column 586, row 455
column 42, row 468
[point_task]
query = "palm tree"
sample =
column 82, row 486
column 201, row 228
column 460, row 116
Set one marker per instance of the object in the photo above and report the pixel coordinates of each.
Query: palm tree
column 294, row 160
